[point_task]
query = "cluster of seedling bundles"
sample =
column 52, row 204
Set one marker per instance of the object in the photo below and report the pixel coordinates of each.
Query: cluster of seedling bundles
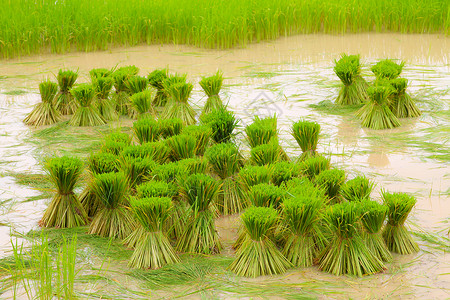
column 160, row 189
column 384, row 102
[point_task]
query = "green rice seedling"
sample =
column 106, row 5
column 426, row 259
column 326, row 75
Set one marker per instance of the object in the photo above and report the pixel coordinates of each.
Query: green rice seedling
column 194, row 165
column 354, row 88
column 115, row 142
column 142, row 103
column 170, row 80
column 44, row 113
column 178, row 105
column 261, row 131
column 86, row 114
column 154, row 250
column 357, row 189
column 331, row 181
column 267, row 195
column 156, row 80
column 130, row 70
column 307, row 136
column 211, row 86
column 146, row 130
column 301, row 216
column 397, row 237
column 347, row 253
column 65, row 103
column 181, row 146
column 372, row 218
column 283, row 171
column 65, row 209
column 222, row 123
column 313, row 166
column 99, row 73
column 376, row 114
column 114, row 219
column 253, row 175
column 266, row 154
column 202, row 135
column 117, row 136
column 170, row 127
column 199, row 235
column 226, row 160
column 402, row 105
column 258, row 255
column 136, row 169
column 135, row 84
column 121, row 97
column 156, row 151
column 387, row 69
column 103, row 103
column 169, row 172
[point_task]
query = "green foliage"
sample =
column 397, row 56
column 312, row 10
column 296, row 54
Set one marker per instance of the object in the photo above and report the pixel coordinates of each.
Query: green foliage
column 156, row 79
column 211, row 86
column 178, row 105
column 307, row 136
column 266, row 154
column 104, row 105
column 155, row 188
column 99, row 73
column 261, row 131
column 200, row 191
column 65, row 103
column 313, row 166
column 181, row 146
column 103, row 162
column 331, row 181
column 136, row 84
column 202, row 134
column 222, row 123
column 151, row 212
column 284, row 171
column 156, row 151
column 253, row 175
column 353, row 91
column 402, row 105
column 136, row 169
column 170, row 127
column 169, row 172
column 44, row 113
column 146, row 130
column 266, row 195
column 142, row 104
column 194, row 165
column 225, row 159
column 357, row 189
column 387, row 69
column 111, row 189
column 86, row 114
column 302, row 187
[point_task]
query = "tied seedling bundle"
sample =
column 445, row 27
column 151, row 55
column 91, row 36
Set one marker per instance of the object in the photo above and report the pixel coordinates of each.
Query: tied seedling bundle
column 122, row 94
column 136, row 169
column 307, row 136
column 313, row 166
column 170, row 127
column 202, row 135
column 395, row 234
column 266, row 154
column 354, row 89
column 402, row 105
column 357, row 189
column 178, row 105
column 331, row 181
column 65, row 209
column 99, row 73
column 141, row 103
column 44, row 113
column 252, row 175
column 181, row 146
column 86, row 114
column 156, row 79
column 211, row 86
column 104, row 105
column 135, row 84
column 387, row 69
column 222, row 123
column 65, row 103
column 115, row 142
column 146, row 130
column 283, row 171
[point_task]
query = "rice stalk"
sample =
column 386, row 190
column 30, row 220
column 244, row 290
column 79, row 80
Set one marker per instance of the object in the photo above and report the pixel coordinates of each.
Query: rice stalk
column 65, row 102
column 170, row 127
column 354, row 89
column 402, row 105
column 331, row 181
column 307, row 136
column 387, row 69
column 44, row 113
column 156, row 80
column 86, row 114
column 142, row 103
column 99, row 73
column 146, row 130
column 222, row 123
column 202, row 135
column 178, row 106
column 211, row 86
column 357, row 189
column 252, row 175
column 313, row 166
column 181, row 146
column 103, row 103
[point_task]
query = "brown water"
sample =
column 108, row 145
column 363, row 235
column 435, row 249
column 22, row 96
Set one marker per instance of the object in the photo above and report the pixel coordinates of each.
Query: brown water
column 283, row 77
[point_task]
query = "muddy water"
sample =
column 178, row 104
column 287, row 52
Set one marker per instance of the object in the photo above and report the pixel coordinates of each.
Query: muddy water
column 283, row 77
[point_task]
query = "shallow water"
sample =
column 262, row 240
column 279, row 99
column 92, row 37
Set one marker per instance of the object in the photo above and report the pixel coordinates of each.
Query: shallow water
column 283, row 77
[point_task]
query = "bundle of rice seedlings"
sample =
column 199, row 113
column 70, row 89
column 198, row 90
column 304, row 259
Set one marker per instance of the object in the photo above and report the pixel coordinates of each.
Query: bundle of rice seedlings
column 284, row 171
column 135, row 84
column 387, row 69
column 156, row 79
column 65, row 209
column 115, row 142
column 402, row 105
column 211, row 86
column 142, row 104
column 44, row 113
column 200, row 236
column 104, row 105
column 194, row 165
column 202, row 135
column 146, row 130
column 153, row 250
column 312, row 167
column 226, row 160
column 258, row 255
column 131, row 70
column 222, row 123
column 266, row 154
column 114, row 218
column 65, row 103
column 376, row 114
column 395, row 233
column 181, row 146
column 86, row 114
column 99, row 73
column 253, row 175
column 357, row 189
column 122, row 94
column 347, row 253
column 156, row 151
column 136, row 169
column 170, row 127
column 178, row 105
column 301, row 216
column 354, row 89
column 170, row 80
column 331, row 181
column 267, row 195
column 372, row 219
column 261, row 131
column 307, row 136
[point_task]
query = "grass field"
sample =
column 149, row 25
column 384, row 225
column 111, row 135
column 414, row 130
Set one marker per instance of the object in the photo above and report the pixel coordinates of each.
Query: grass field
column 59, row 26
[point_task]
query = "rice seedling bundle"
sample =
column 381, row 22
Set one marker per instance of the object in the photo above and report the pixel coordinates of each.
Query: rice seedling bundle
column 266, row 154
column 146, row 130
column 301, row 216
column 258, row 255
column 121, row 97
column 155, row 188
column 395, row 234
column 376, row 114
column 261, row 131
column 354, row 89
column 114, row 218
column 44, row 113
column 387, row 69
column 202, row 135
column 178, row 106
column 181, row 146
column 357, row 189
column 136, row 169
column 267, row 195
column 253, row 175
column 156, row 79
column 373, row 215
column 135, row 84
column 65, row 209
column 283, row 171
column 86, row 114
column 194, row 165
column 199, row 235
column 313, row 166
column 226, row 160
column 99, row 73
column 154, row 250
column 115, row 142
column 347, row 253
column 307, row 136
column 402, row 105
column 156, row 151
column 331, row 181
column 170, row 127
column 222, row 123
column 169, row 172
column 211, row 86
column 103, row 103
column 142, row 104
column 65, row 103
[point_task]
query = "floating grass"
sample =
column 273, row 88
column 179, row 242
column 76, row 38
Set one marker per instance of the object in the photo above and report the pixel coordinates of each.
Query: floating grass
column 222, row 123
column 284, row 171
column 146, row 130
column 170, row 127
column 397, row 237
column 156, row 79
column 65, row 103
column 357, row 189
column 44, row 113
column 178, row 105
column 387, row 69
column 354, row 89
column 331, row 181
column 253, row 175
column 307, row 136
column 313, row 166
column 86, row 114
column 402, row 105
column 103, row 103
column 211, row 86
column 181, row 146
column 202, row 135
column 142, row 104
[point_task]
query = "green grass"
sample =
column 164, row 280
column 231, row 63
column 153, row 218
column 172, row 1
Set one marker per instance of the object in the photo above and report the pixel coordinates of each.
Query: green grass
column 63, row 26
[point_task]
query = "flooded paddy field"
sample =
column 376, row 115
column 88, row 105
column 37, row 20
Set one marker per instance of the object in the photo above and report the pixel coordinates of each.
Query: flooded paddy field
column 293, row 78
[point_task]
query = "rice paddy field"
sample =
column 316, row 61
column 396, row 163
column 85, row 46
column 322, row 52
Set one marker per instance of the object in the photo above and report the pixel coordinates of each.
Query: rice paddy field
column 290, row 77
